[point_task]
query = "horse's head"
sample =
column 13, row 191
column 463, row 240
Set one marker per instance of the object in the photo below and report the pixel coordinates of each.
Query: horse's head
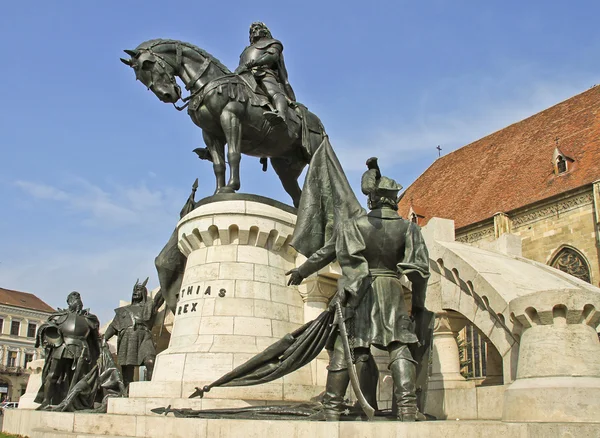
column 155, row 72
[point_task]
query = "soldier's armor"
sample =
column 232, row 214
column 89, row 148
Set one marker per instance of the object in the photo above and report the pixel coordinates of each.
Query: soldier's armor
column 136, row 316
column 75, row 330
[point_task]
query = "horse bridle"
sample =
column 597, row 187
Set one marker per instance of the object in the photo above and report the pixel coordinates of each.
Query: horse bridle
column 162, row 61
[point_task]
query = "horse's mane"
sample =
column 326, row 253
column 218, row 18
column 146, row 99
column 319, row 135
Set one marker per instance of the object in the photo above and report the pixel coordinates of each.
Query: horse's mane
column 159, row 41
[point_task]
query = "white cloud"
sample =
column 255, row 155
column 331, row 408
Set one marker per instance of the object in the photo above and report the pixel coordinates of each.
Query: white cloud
column 136, row 220
column 115, row 206
column 42, row 191
column 483, row 106
column 102, row 276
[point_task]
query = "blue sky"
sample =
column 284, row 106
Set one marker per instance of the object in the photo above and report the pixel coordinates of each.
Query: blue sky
column 95, row 168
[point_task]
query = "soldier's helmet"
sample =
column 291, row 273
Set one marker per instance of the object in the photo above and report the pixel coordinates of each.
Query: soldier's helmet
column 141, row 287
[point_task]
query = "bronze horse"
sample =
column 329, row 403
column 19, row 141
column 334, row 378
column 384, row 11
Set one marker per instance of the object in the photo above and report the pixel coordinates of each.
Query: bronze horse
column 229, row 110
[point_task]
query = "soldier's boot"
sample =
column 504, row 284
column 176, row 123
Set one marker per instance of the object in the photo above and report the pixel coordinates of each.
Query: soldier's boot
column 281, row 105
column 368, row 378
column 127, row 372
column 149, row 363
column 404, row 374
column 49, row 387
column 335, row 389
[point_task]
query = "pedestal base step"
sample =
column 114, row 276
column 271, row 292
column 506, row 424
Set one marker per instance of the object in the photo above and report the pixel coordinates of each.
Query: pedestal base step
column 52, row 433
column 36, row 424
column 144, row 406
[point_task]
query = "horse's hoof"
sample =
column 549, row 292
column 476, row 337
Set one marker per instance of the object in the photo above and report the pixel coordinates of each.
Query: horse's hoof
column 225, row 190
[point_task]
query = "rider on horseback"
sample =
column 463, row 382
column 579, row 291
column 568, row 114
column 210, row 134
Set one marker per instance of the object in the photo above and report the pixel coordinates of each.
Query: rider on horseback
column 263, row 58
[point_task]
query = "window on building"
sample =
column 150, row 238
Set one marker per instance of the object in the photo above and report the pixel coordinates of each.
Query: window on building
column 572, row 262
column 414, row 218
column 473, row 353
column 28, row 358
column 12, row 359
column 14, row 328
column 31, row 330
column 1, row 325
column 561, row 164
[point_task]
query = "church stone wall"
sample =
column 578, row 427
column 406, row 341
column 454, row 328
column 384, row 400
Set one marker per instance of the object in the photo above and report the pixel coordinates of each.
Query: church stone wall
column 545, row 228
column 565, row 222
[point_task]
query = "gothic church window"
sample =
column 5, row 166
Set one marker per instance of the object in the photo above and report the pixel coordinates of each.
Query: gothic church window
column 572, row 262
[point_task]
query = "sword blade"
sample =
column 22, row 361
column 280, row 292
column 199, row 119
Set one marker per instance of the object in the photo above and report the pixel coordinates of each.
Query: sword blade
column 364, row 404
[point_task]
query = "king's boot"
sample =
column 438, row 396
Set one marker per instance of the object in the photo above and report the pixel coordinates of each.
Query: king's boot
column 335, row 389
column 405, row 375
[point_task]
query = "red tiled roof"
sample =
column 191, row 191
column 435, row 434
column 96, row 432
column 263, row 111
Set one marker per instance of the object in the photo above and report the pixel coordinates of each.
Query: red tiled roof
column 24, row 300
column 513, row 167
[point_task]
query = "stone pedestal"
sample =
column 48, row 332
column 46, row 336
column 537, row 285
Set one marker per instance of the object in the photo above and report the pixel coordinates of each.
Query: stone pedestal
column 234, row 303
column 33, row 385
column 558, row 374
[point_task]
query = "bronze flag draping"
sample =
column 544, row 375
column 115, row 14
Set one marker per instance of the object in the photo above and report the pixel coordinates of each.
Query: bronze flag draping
column 290, row 353
column 327, row 199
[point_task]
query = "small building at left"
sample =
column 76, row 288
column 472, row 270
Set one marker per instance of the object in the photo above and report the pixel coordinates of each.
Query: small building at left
column 21, row 314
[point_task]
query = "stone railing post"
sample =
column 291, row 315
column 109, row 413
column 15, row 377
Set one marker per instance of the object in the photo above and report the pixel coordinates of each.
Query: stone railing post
column 558, row 373
column 316, row 292
column 445, row 366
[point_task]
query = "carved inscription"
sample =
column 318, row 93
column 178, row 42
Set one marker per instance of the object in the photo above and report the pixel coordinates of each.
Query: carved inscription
column 193, row 307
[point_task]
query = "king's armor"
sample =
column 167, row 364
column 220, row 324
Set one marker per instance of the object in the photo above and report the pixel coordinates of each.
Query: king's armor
column 263, row 59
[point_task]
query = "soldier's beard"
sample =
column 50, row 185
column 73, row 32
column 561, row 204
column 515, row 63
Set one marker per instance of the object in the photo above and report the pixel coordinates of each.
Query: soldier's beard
column 76, row 307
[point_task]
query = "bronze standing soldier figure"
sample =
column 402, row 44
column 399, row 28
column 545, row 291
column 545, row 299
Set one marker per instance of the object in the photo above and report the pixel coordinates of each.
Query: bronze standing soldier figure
column 72, row 344
column 374, row 250
column 133, row 325
column 263, row 58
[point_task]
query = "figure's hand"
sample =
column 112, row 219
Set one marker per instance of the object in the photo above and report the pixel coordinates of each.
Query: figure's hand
column 416, row 310
column 295, row 277
column 372, row 163
column 340, row 297
column 249, row 64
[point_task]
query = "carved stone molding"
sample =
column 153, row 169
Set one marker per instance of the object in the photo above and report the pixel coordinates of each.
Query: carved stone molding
column 552, row 210
column 317, row 289
column 471, row 237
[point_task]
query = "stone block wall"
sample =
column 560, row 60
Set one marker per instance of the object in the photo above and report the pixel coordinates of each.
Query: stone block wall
column 545, row 228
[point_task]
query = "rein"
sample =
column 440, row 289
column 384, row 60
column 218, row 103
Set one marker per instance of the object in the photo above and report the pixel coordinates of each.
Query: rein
column 176, row 71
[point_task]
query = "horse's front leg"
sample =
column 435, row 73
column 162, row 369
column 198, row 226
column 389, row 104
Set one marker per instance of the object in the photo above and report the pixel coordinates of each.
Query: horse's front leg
column 216, row 147
column 232, row 127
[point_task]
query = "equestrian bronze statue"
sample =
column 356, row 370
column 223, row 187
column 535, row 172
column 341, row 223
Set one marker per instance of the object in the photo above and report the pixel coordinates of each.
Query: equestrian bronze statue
column 253, row 111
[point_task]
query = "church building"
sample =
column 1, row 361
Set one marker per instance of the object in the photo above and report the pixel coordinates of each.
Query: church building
column 538, row 179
